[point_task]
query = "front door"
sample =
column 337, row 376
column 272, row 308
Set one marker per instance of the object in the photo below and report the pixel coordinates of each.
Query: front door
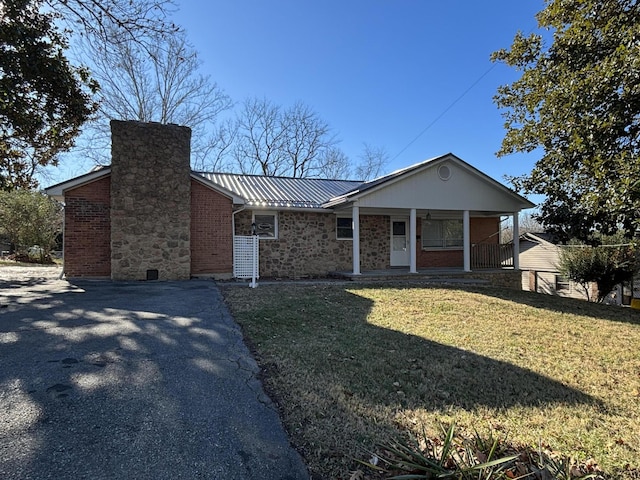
column 399, row 242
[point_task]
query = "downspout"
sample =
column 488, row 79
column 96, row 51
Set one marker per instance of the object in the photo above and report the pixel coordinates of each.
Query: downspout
column 64, row 236
column 233, row 219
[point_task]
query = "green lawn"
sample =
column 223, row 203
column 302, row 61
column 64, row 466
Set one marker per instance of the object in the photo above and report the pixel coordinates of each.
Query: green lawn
column 352, row 365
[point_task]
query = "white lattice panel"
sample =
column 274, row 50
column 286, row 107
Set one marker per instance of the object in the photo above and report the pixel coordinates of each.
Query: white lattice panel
column 245, row 257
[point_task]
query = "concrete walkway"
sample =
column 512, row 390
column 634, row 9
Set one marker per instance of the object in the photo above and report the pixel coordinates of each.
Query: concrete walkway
column 148, row 380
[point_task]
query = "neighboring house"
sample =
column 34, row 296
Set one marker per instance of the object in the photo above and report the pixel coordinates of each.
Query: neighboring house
column 539, row 260
column 149, row 216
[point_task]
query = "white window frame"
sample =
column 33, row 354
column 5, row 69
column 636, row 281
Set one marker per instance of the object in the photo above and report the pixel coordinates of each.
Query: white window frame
column 425, row 226
column 266, row 213
column 338, row 237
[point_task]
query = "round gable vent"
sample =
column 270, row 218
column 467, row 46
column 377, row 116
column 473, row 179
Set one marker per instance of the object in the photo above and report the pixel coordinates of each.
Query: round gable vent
column 444, row 172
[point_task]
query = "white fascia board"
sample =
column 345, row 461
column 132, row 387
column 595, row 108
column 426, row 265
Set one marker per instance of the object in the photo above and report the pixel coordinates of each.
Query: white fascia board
column 57, row 191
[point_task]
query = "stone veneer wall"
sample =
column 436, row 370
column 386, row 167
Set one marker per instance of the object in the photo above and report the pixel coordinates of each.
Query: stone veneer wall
column 375, row 242
column 511, row 279
column 307, row 246
column 150, row 201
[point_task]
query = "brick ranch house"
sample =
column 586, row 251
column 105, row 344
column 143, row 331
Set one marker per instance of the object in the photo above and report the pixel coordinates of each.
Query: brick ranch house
column 148, row 216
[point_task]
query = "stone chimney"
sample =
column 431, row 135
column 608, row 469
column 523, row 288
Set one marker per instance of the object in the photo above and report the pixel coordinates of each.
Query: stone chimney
column 150, row 201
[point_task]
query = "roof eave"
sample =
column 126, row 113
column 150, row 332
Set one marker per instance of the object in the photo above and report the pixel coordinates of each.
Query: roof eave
column 236, row 199
column 57, row 191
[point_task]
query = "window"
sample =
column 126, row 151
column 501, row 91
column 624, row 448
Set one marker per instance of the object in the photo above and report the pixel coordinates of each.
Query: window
column 562, row 283
column 442, row 234
column 344, row 228
column 266, row 224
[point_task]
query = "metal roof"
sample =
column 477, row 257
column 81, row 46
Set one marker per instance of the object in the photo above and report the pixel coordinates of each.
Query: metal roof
column 281, row 192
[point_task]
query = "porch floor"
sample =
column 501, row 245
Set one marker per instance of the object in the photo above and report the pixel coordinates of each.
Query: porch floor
column 448, row 275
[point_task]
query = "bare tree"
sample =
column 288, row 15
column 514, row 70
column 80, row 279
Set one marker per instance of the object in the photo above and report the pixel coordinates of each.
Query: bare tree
column 334, row 163
column 260, row 139
column 159, row 82
column 373, row 160
column 527, row 223
column 217, row 148
column 306, row 136
column 114, row 21
column 271, row 140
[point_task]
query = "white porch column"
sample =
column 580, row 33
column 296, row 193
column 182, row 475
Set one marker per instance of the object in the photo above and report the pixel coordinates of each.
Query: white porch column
column 412, row 241
column 466, row 236
column 355, row 215
column 516, row 242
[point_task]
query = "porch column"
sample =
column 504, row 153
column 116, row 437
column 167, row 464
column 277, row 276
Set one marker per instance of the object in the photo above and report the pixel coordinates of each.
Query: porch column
column 412, row 241
column 355, row 215
column 466, row 236
column 516, row 242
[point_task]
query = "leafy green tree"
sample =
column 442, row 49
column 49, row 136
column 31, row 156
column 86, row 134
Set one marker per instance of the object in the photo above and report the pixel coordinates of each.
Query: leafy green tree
column 607, row 265
column 29, row 218
column 578, row 103
column 44, row 98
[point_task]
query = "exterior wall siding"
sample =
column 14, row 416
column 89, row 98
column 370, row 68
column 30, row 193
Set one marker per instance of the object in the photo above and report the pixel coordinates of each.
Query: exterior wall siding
column 539, row 263
column 534, row 256
column 307, row 246
column 375, row 242
column 545, row 282
column 211, row 235
column 87, row 230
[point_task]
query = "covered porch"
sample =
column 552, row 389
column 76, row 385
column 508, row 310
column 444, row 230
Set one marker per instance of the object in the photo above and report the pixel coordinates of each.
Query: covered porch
column 442, row 213
column 411, row 241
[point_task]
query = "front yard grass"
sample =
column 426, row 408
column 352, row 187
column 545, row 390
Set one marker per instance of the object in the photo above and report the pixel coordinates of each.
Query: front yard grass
column 352, row 365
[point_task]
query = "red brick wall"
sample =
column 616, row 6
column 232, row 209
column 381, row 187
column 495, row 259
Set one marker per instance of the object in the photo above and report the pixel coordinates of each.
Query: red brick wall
column 485, row 230
column 211, row 235
column 87, row 225
column 481, row 230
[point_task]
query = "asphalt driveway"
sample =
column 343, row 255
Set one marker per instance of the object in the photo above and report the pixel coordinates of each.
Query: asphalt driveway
column 146, row 380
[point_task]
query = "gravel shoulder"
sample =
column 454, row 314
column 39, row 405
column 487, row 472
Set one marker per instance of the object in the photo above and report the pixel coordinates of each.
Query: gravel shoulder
column 25, row 274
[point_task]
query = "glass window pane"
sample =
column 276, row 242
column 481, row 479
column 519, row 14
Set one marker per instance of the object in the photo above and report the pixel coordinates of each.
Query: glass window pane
column 442, row 234
column 265, row 226
column 453, row 233
column 432, row 234
column 399, row 228
column 399, row 244
column 344, row 227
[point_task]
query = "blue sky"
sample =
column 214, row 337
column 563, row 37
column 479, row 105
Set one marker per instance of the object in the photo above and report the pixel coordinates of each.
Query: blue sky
column 378, row 71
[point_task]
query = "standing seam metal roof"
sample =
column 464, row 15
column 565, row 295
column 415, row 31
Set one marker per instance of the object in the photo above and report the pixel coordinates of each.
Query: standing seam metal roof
column 281, row 192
